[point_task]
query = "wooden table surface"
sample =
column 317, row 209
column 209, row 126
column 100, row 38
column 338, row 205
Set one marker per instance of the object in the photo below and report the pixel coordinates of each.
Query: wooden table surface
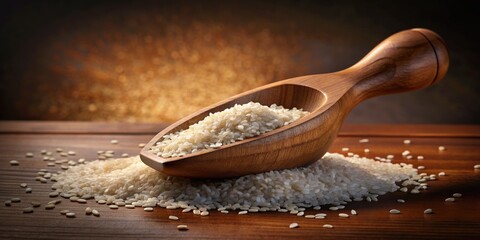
column 457, row 220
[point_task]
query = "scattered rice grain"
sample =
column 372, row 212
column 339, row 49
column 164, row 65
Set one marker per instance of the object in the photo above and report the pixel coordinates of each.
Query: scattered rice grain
column 49, row 206
column 27, row 210
column 95, row 212
column 394, row 211
column 55, row 202
column 182, row 227
column 414, row 191
column 53, row 194
column 293, row 225
column 327, row 226
column 88, row 211
column 14, row 163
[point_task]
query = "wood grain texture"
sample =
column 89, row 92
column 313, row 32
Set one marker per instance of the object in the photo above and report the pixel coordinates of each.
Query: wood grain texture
column 458, row 220
column 408, row 60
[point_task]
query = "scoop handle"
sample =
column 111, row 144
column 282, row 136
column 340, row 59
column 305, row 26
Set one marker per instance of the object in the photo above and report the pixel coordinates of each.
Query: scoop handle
column 408, row 60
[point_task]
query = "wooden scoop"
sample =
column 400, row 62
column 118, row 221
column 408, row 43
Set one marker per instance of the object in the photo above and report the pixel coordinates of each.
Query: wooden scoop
column 408, row 60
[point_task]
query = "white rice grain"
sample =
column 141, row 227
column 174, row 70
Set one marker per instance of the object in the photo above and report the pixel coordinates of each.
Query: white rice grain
column 49, row 206
column 88, row 211
column 395, row 211
column 95, row 213
column 14, row 163
column 27, row 210
column 182, row 227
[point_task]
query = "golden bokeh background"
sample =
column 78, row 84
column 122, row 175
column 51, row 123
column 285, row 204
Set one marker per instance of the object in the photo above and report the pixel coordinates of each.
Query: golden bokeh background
column 157, row 61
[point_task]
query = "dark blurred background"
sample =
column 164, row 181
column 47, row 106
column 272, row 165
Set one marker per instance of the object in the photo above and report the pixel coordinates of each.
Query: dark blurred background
column 156, row 61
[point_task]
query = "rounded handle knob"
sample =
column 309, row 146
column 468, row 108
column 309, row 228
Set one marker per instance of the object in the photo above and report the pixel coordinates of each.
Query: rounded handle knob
column 408, row 60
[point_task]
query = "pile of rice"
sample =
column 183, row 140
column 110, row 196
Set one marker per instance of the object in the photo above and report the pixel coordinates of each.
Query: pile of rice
column 221, row 128
column 334, row 179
